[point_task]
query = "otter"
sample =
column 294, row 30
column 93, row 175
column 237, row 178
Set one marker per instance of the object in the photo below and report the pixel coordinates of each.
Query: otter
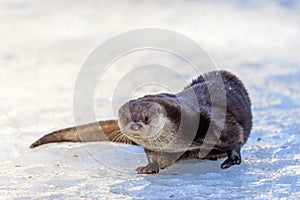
column 172, row 127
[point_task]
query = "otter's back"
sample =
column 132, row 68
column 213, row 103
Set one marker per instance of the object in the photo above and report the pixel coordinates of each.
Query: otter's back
column 237, row 98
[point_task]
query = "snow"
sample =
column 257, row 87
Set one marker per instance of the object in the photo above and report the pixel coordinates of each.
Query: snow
column 43, row 46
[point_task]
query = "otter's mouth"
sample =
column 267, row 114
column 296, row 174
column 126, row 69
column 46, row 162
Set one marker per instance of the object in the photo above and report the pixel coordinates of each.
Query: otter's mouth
column 141, row 135
column 136, row 130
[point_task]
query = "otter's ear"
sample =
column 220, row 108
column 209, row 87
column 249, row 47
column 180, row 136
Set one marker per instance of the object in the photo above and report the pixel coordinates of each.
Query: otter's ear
column 168, row 102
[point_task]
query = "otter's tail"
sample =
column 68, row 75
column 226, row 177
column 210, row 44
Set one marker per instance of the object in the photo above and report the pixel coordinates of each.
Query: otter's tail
column 97, row 131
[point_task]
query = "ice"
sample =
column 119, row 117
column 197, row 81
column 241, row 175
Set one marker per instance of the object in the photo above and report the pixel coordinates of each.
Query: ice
column 43, row 45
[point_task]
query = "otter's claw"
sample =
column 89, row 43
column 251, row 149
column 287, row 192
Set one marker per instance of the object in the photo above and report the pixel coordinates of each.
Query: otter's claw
column 147, row 170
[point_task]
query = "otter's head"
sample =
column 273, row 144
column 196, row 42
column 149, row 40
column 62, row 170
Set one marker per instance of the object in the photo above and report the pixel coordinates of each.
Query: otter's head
column 150, row 121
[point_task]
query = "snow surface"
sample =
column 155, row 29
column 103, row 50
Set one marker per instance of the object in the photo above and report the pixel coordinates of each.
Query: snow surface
column 42, row 47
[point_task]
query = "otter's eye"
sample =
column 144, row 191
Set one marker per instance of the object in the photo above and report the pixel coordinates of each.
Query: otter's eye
column 146, row 120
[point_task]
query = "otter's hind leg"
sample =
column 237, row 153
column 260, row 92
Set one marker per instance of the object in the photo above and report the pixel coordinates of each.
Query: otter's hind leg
column 234, row 157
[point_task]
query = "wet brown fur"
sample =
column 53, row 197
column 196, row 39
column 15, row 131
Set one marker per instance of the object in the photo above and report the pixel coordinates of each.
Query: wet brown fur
column 234, row 131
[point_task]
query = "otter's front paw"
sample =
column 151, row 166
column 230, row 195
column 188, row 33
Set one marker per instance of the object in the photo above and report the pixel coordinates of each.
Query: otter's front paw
column 148, row 169
column 233, row 159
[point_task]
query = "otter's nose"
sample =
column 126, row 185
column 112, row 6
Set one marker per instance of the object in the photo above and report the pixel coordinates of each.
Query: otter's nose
column 135, row 126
